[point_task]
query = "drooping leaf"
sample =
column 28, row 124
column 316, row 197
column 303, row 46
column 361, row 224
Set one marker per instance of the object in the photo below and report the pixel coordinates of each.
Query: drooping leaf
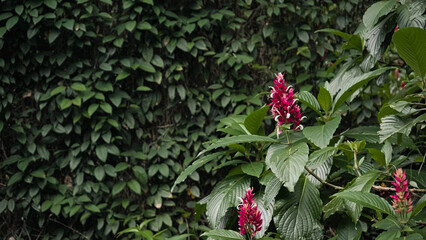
column 238, row 139
column 410, row 15
column 297, row 215
column 321, row 135
column 227, row 193
column 377, row 10
column 367, row 199
column 393, row 124
column 194, row 166
column 255, row 119
column 412, row 48
column 309, row 99
column 223, row 234
column 287, row 162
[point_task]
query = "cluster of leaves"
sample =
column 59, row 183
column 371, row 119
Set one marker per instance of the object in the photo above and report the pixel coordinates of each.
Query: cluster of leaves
column 104, row 102
column 347, row 162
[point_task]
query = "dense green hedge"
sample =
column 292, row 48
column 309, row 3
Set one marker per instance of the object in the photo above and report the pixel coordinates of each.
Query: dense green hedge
column 104, row 102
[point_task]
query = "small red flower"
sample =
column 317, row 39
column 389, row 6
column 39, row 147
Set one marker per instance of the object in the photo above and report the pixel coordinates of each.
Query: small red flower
column 402, row 84
column 396, row 28
column 397, row 73
column 250, row 220
column 401, row 199
column 284, row 108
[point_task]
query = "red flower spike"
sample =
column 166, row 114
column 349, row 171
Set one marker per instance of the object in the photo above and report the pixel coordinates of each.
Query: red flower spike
column 401, row 199
column 284, row 108
column 250, row 220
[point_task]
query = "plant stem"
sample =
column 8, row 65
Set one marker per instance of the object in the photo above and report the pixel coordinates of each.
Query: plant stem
column 356, row 164
column 322, row 181
column 286, row 134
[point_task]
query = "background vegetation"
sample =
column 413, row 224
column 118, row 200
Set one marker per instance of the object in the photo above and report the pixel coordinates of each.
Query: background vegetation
column 103, row 103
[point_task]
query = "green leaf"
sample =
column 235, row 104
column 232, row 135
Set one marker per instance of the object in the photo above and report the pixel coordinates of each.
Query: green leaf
column 287, row 162
column 69, row 24
column 319, row 157
column 419, row 206
column 118, row 187
column 118, row 42
column 309, row 99
column 227, row 193
column 134, row 186
column 321, row 135
column 143, row 89
column 324, row 99
column 297, row 215
column 104, row 86
column 46, row 205
column 99, row 173
column 92, row 208
column 377, row 10
column 3, row 205
column 150, row 2
column 367, row 199
column 194, row 166
column 92, row 109
column 255, row 119
column 140, row 174
column 130, row 25
column 122, row 76
column 335, row 205
column 53, row 35
column 412, row 48
column 238, row 139
column 102, row 152
column 106, row 107
column 253, row 169
column 147, row 67
column 390, row 234
column 223, row 234
column 38, row 173
column 377, row 156
column 65, row 103
column 11, row 22
column 79, row 87
column 57, row 90
column 350, row 82
column 393, row 124
column 366, row 133
column 51, row 4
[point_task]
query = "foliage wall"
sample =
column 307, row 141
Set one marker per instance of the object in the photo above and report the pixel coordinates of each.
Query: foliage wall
column 104, row 102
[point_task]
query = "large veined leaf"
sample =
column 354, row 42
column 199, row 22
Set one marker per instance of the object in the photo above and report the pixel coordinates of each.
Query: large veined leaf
column 255, row 119
column 351, row 82
column 319, row 157
column 322, row 172
column 287, row 162
column 194, row 166
column 362, row 183
column 410, row 15
column 273, row 186
column 238, row 139
column 369, row 200
column 227, row 193
column 349, row 230
column 309, row 99
column 222, row 234
column 335, row 205
column 377, row 10
column 366, row 133
column 297, row 215
column 411, row 46
column 266, row 207
column 393, row 124
column 321, row 135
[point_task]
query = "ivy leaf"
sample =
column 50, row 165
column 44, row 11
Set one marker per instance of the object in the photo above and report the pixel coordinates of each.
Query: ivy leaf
column 321, row 135
column 118, row 187
column 102, row 152
column 99, row 173
column 12, row 22
column 287, row 162
column 412, row 48
column 297, row 215
column 367, row 199
column 227, row 193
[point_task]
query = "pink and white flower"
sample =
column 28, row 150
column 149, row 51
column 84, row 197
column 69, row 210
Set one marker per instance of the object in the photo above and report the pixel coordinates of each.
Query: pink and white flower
column 401, row 199
column 284, row 108
column 250, row 220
